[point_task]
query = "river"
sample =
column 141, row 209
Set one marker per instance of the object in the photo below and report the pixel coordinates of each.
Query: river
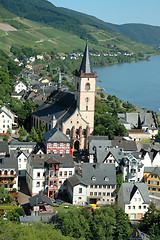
column 135, row 82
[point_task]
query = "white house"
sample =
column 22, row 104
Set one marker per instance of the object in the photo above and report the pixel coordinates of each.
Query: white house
column 133, row 198
column 77, row 190
column 48, row 173
column 7, row 120
column 19, row 86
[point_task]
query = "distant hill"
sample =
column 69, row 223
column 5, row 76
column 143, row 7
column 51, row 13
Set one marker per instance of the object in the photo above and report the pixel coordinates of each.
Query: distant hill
column 142, row 33
column 43, row 26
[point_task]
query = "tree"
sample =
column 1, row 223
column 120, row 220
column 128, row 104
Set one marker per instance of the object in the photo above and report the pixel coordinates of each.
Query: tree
column 5, row 197
column 123, row 225
column 5, row 138
column 9, row 131
column 33, row 135
column 22, row 131
column 41, row 130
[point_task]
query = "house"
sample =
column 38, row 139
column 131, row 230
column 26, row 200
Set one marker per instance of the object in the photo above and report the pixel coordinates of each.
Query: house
column 72, row 113
column 142, row 125
column 40, row 203
column 47, row 173
column 133, row 198
column 21, row 157
column 153, row 180
column 7, row 120
column 23, row 146
column 18, row 95
column 132, row 169
column 9, row 173
column 101, row 182
column 138, row 235
column 4, row 150
column 19, row 86
column 40, row 57
column 56, row 142
column 77, row 190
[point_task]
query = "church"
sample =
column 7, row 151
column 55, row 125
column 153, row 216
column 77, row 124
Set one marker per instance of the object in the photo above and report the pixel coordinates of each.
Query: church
column 72, row 113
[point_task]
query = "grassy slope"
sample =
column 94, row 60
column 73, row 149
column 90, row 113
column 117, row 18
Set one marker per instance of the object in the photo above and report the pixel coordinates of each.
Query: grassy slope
column 45, row 38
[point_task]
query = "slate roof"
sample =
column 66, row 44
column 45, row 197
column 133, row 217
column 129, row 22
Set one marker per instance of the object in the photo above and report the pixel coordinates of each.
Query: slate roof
column 15, row 143
column 40, row 161
column 76, row 180
column 9, row 163
column 59, row 105
column 55, row 135
column 40, row 198
column 148, row 169
column 129, row 189
column 125, row 145
column 100, row 172
column 91, row 137
column 86, row 64
column 96, row 144
column 156, row 171
column 4, row 147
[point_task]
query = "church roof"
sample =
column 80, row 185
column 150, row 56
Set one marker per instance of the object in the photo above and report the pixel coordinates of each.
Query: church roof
column 55, row 135
column 59, row 105
column 86, row 64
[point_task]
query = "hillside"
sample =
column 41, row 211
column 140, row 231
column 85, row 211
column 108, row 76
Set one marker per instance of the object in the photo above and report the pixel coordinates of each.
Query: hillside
column 145, row 34
column 46, row 28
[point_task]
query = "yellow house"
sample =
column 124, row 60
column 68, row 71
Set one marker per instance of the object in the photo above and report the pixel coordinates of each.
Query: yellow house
column 153, row 181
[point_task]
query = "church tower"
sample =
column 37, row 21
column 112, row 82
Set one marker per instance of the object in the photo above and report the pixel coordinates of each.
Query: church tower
column 85, row 90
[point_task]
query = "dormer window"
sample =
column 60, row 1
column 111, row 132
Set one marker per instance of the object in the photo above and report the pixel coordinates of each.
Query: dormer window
column 93, row 178
column 106, row 179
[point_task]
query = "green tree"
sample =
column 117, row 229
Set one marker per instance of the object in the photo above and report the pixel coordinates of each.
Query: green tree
column 22, row 131
column 9, row 131
column 5, row 138
column 5, row 197
column 123, row 226
column 33, row 135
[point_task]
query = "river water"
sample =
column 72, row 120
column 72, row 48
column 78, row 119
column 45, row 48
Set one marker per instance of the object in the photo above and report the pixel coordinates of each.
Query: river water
column 135, row 82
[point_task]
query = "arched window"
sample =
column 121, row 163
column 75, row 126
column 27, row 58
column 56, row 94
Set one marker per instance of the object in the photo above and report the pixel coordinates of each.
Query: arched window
column 0, row 172
column 5, row 172
column 77, row 131
column 87, row 87
column 68, row 131
column 12, row 172
column 86, row 108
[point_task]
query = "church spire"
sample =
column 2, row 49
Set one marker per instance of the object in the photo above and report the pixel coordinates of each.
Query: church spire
column 86, row 65
column 59, row 80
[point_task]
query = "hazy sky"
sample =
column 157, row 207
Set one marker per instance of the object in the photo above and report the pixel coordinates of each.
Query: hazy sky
column 117, row 11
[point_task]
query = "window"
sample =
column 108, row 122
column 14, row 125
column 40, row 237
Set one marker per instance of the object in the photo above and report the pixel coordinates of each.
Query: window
column 80, row 190
column 108, row 186
column 129, row 207
column 68, row 131
column 19, row 160
column 7, row 121
column 95, row 193
column 108, row 194
column 106, row 179
column 93, row 178
column 3, row 121
column 95, row 186
column 104, row 186
column 139, row 199
column 91, row 193
column 44, row 174
column 134, row 207
column 70, row 173
column 60, row 174
column 60, row 183
column 99, row 194
column 104, row 194
column 51, row 174
column 144, row 207
column 91, row 186
column 25, row 159
column 79, row 198
column 86, row 108
column 156, row 183
column 135, row 199
column 87, row 87
column 3, row 126
column 38, row 174
column 38, row 184
column 51, row 184
column 139, row 207
column 2, row 116
column 19, row 165
column 65, row 173
column 100, row 186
